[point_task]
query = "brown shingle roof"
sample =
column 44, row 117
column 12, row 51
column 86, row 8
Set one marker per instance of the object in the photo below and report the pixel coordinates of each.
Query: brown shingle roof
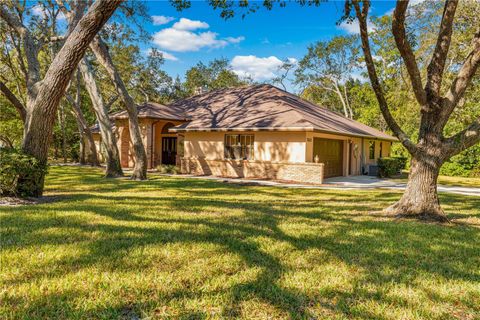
column 264, row 107
column 155, row 111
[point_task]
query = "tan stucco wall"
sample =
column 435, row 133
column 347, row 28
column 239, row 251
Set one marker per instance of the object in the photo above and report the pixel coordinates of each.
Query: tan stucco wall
column 271, row 147
column 268, row 146
column 151, row 137
column 386, row 147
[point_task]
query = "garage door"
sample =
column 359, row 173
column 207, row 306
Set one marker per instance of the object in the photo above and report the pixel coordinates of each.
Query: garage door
column 330, row 152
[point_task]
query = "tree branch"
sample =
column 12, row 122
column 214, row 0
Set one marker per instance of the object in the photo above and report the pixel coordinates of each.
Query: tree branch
column 111, row 101
column 462, row 81
column 30, row 48
column 398, row 30
column 14, row 100
column 463, row 140
column 437, row 65
column 362, row 15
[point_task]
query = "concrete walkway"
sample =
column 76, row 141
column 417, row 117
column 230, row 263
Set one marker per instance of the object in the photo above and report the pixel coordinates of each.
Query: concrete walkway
column 367, row 182
column 352, row 182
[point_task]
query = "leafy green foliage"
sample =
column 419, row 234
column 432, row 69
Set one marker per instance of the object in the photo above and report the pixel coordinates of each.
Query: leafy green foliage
column 388, row 167
column 464, row 164
column 15, row 164
column 214, row 75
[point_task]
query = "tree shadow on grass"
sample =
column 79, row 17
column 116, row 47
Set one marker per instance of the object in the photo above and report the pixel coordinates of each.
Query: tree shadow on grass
column 388, row 251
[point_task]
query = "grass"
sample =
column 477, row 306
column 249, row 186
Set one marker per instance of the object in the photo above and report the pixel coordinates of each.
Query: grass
column 448, row 181
column 172, row 248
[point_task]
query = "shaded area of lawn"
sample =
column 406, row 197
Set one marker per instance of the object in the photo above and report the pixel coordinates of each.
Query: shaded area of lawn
column 177, row 248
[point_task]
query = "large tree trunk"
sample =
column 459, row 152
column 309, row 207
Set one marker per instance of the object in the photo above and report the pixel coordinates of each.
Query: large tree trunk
column 109, row 141
column 45, row 95
column 86, row 137
column 433, row 149
column 88, row 150
column 61, row 120
column 81, row 145
column 420, row 199
column 101, row 52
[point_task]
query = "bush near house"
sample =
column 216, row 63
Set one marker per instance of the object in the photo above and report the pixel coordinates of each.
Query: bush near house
column 13, row 164
column 168, row 168
column 390, row 166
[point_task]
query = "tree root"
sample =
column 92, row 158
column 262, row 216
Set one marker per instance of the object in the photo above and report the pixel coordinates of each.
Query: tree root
column 417, row 211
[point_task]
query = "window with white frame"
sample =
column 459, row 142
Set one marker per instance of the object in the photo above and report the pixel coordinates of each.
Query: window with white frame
column 239, row 146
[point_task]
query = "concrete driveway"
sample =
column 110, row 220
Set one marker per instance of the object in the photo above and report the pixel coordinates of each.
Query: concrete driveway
column 352, row 182
column 367, row 182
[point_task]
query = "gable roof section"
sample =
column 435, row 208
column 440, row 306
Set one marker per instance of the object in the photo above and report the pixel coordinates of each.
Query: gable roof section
column 154, row 111
column 265, row 107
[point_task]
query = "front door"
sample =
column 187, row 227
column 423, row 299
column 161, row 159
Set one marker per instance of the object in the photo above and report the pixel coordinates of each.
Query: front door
column 169, row 150
column 330, row 153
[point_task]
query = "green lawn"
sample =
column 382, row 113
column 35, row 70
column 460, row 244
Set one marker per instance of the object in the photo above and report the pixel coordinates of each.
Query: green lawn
column 173, row 248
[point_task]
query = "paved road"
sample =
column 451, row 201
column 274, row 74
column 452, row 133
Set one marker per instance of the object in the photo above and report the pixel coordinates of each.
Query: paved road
column 352, row 182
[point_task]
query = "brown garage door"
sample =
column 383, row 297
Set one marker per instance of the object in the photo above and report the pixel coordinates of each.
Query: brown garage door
column 330, row 152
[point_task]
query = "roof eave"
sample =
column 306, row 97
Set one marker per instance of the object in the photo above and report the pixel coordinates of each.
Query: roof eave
column 285, row 129
column 240, row 129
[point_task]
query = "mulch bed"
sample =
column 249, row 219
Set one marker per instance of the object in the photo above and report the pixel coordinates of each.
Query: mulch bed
column 12, row 201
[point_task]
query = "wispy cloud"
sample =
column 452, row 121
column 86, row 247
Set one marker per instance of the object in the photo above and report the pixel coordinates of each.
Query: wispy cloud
column 168, row 56
column 161, row 20
column 353, row 27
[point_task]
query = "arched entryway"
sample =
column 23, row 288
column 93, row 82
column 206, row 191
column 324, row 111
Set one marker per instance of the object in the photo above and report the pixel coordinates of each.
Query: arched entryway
column 165, row 144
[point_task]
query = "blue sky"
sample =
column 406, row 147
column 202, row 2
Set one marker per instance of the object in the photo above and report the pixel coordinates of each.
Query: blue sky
column 254, row 44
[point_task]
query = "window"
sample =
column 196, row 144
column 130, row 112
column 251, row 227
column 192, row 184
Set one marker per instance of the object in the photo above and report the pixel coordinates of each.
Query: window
column 381, row 150
column 239, row 146
column 371, row 150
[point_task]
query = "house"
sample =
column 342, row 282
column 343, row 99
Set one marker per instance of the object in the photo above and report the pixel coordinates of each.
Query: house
column 257, row 131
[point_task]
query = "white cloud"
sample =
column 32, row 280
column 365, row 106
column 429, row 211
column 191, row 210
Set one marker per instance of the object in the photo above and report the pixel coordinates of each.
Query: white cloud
column 259, row 69
column 160, row 20
column 354, row 28
column 181, row 37
column 187, row 24
column 165, row 55
column 293, row 60
column 235, row 40
column 168, row 56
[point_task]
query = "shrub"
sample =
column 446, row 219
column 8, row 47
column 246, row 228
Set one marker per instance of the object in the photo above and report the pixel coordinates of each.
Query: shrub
column 13, row 165
column 168, row 168
column 388, row 167
column 454, row 169
column 465, row 164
